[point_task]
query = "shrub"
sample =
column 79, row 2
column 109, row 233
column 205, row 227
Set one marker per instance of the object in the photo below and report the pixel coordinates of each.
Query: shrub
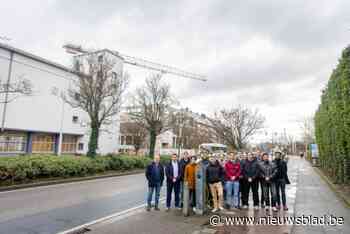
column 165, row 159
column 29, row 167
column 332, row 122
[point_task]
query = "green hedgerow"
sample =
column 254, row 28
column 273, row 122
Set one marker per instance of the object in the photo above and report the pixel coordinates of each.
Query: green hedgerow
column 29, row 167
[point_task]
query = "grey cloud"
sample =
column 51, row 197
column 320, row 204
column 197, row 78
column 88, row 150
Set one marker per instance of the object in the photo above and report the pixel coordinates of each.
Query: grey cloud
column 297, row 24
column 189, row 33
column 233, row 76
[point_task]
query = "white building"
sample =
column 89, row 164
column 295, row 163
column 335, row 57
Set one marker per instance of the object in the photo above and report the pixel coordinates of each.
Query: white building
column 32, row 124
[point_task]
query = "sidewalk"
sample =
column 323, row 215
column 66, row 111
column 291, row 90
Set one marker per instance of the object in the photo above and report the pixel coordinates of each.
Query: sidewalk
column 314, row 197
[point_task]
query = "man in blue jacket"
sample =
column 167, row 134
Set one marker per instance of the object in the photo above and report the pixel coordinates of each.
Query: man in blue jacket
column 155, row 177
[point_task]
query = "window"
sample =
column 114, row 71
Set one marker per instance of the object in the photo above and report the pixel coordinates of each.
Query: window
column 54, row 91
column 77, row 65
column 77, row 97
column 128, row 140
column 122, row 140
column 81, row 146
column 174, row 142
column 43, row 143
column 75, row 119
column 100, row 58
column 69, row 144
column 13, row 143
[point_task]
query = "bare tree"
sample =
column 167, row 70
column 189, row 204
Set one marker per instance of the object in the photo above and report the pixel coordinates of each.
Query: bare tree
column 98, row 91
column 22, row 87
column 152, row 108
column 137, row 132
column 236, row 125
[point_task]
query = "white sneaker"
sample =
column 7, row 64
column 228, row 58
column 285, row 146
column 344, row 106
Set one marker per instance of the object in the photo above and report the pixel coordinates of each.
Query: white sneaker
column 214, row 210
column 274, row 209
column 221, row 208
column 245, row 207
column 194, row 209
column 256, row 208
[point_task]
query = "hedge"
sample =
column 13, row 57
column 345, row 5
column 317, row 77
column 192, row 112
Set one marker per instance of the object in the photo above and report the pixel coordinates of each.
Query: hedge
column 332, row 123
column 17, row 169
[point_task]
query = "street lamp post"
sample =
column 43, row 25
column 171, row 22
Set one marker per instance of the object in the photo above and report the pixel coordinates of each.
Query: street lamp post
column 182, row 117
column 55, row 92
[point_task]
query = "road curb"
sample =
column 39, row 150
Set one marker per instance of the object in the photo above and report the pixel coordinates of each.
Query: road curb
column 69, row 180
column 333, row 187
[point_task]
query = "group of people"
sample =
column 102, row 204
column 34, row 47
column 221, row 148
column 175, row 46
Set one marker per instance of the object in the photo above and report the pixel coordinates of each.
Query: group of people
column 229, row 178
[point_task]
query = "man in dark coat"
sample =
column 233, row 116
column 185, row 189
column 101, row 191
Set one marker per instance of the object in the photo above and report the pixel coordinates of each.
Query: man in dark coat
column 155, row 178
column 281, row 180
column 268, row 171
column 173, row 177
column 250, row 181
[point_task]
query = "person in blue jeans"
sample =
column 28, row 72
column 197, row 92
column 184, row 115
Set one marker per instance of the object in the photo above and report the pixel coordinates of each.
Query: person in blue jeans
column 232, row 174
column 155, row 178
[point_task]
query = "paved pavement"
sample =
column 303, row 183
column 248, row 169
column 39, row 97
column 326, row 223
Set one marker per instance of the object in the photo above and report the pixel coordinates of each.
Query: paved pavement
column 314, row 197
column 56, row 208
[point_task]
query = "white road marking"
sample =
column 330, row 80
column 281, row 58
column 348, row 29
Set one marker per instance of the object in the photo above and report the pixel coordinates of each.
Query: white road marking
column 124, row 213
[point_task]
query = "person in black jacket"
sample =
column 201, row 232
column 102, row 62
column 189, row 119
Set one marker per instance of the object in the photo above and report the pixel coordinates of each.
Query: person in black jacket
column 173, row 176
column 260, row 182
column 281, row 180
column 215, row 175
column 155, row 178
column 250, row 180
column 268, row 173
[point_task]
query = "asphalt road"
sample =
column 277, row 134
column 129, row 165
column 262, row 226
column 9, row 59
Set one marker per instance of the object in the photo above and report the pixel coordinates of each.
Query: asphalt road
column 55, row 208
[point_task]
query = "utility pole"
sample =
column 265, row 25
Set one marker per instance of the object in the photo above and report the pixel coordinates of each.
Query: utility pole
column 7, row 92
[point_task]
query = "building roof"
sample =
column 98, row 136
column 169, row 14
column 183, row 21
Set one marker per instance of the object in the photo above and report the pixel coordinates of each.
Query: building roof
column 48, row 62
column 34, row 57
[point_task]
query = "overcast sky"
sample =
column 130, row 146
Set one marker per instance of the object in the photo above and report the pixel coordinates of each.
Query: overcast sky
column 269, row 54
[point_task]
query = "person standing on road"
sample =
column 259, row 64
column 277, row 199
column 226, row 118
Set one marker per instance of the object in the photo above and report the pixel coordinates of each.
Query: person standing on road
column 268, row 173
column 281, row 180
column 250, row 180
column 155, row 178
column 173, row 176
column 232, row 172
column 183, row 163
column 190, row 179
column 215, row 176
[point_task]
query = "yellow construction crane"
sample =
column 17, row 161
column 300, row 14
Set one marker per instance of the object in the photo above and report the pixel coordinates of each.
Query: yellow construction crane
column 139, row 62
